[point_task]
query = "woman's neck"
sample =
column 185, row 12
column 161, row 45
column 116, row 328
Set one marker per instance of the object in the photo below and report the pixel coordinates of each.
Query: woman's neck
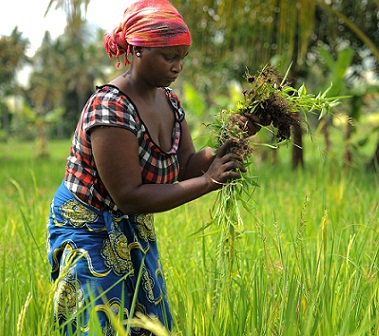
column 133, row 87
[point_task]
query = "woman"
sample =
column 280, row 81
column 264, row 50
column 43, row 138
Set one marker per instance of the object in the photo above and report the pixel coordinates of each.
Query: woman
column 130, row 145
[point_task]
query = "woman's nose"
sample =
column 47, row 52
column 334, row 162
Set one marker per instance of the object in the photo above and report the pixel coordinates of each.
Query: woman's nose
column 178, row 66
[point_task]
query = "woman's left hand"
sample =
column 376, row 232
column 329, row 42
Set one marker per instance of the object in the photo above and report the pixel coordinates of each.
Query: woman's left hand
column 250, row 123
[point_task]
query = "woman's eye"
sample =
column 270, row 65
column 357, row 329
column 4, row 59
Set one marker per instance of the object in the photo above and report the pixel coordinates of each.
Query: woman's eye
column 170, row 58
column 174, row 57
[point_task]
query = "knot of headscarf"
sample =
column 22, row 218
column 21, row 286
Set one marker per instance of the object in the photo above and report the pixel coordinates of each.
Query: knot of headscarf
column 147, row 23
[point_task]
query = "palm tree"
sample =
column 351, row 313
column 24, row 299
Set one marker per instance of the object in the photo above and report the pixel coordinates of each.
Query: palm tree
column 46, row 89
column 75, row 13
column 64, row 75
column 284, row 32
column 229, row 36
column 12, row 58
column 84, row 60
column 85, row 63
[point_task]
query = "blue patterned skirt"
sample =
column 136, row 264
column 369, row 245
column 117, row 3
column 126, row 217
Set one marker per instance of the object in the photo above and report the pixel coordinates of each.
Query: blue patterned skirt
column 103, row 262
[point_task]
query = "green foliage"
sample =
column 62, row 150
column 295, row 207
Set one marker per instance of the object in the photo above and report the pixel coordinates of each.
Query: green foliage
column 12, row 56
column 361, row 33
column 64, row 74
column 301, row 265
column 271, row 98
column 251, row 32
column 52, row 116
column 306, row 259
column 194, row 100
column 337, row 69
column 267, row 94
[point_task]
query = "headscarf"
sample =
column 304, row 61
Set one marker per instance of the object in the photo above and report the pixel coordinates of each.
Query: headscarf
column 147, row 23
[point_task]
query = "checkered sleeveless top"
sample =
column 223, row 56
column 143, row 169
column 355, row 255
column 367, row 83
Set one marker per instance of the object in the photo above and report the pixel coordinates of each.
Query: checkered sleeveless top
column 108, row 106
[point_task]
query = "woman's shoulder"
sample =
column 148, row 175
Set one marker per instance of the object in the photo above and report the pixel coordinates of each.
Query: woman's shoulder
column 110, row 98
column 111, row 107
column 110, row 92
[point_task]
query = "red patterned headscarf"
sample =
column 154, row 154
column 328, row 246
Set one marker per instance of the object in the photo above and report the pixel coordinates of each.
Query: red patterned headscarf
column 147, row 23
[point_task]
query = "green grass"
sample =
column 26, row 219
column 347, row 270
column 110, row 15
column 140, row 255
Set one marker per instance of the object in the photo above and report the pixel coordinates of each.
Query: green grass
column 306, row 260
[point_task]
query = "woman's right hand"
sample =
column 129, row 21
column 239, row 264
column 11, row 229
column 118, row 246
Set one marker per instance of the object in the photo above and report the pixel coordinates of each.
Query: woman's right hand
column 225, row 167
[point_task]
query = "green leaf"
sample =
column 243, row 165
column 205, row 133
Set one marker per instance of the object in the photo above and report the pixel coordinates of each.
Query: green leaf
column 29, row 112
column 302, row 91
column 286, row 75
column 194, row 99
column 54, row 115
column 322, row 112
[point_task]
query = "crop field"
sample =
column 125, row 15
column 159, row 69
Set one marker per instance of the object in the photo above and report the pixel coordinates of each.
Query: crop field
column 304, row 257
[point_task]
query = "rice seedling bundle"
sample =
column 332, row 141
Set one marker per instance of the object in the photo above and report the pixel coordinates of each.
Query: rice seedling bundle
column 271, row 98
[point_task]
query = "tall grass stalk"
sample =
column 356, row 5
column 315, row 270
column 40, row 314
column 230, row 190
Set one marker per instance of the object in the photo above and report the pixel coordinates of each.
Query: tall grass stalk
column 267, row 95
column 306, row 259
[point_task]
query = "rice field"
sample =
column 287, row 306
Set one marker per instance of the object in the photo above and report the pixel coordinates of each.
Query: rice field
column 305, row 256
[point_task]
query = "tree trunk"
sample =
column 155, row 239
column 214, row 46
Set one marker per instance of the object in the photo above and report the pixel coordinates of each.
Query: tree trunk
column 348, row 156
column 325, row 132
column 41, row 140
column 297, row 150
column 5, row 120
column 374, row 163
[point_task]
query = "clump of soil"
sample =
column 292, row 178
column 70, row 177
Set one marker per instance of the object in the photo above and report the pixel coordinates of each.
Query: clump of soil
column 266, row 99
column 240, row 141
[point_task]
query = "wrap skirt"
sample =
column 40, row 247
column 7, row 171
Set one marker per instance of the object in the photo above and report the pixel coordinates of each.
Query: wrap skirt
column 103, row 264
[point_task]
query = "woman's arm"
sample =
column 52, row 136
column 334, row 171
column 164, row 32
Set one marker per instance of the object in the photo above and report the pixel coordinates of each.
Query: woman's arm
column 192, row 163
column 116, row 156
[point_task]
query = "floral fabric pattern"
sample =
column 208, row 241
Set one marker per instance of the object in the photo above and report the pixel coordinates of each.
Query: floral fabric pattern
column 95, row 259
column 145, row 227
column 116, row 252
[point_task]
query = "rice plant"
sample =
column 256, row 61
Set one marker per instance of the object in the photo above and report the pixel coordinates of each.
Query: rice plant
column 306, row 258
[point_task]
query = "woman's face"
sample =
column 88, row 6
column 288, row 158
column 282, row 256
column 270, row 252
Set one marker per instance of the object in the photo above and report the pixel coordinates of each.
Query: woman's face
column 161, row 66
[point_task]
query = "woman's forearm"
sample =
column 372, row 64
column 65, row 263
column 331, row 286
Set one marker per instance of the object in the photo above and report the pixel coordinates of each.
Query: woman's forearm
column 197, row 164
column 151, row 198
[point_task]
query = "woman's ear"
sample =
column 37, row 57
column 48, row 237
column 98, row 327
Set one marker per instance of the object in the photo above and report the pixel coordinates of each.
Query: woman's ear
column 137, row 51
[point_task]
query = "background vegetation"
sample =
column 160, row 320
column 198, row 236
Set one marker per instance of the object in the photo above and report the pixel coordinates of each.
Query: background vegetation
column 326, row 42
column 307, row 255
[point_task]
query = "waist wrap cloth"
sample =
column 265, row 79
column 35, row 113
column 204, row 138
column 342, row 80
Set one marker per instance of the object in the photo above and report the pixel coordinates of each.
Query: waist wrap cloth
column 99, row 261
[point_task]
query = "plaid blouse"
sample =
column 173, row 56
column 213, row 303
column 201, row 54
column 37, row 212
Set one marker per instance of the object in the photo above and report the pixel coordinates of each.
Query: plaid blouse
column 108, row 106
